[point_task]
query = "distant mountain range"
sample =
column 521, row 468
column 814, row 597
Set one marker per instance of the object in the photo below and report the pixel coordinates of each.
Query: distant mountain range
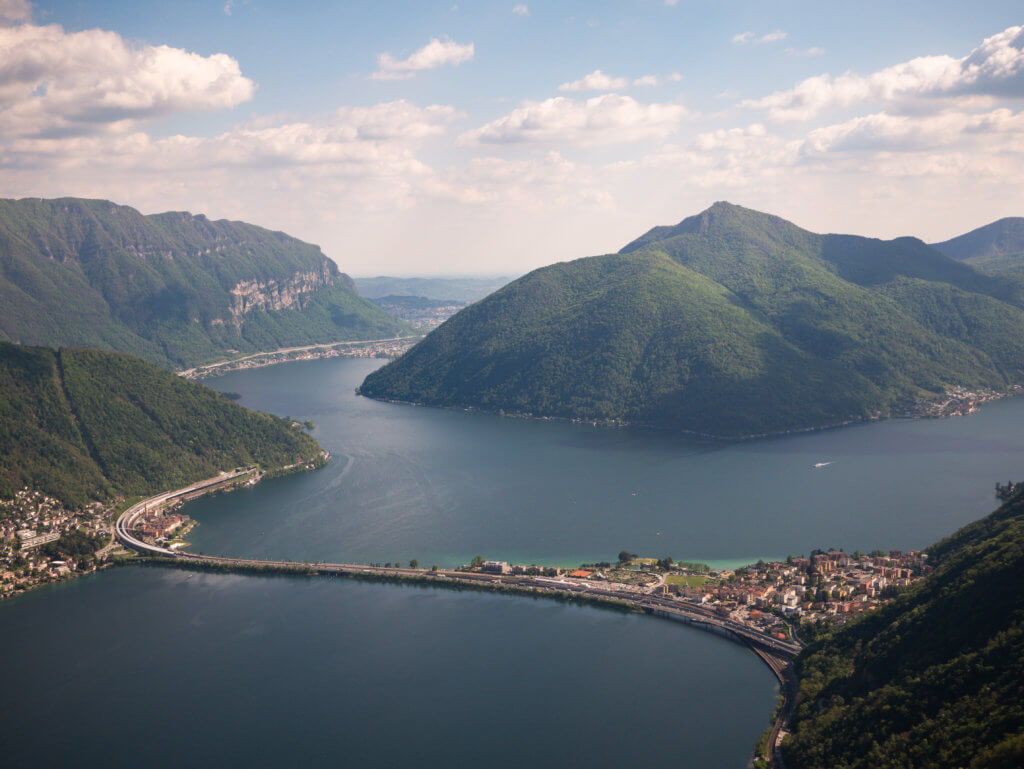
column 463, row 290
column 730, row 323
column 996, row 247
column 83, row 425
column 934, row 678
column 172, row 288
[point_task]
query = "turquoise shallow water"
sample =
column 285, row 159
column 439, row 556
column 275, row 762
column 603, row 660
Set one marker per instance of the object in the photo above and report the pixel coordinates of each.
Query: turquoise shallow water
column 442, row 486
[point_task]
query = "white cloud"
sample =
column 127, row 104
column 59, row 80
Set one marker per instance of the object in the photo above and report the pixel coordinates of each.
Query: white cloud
column 229, row 6
column 675, row 77
column 436, row 53
column 54, row 82
column 606, row 119
column 646, row 81
column 520, row 10
column 595, row 81
column 995, row 68
column 15, row 11
column 749, row 37
column 812, row 51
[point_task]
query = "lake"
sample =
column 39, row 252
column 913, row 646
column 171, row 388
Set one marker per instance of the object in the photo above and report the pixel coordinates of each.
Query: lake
column 170, row 668
column 442, row 485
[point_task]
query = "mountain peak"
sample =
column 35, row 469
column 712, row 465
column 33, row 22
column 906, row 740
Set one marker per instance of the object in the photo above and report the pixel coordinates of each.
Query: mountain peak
column 719, row 215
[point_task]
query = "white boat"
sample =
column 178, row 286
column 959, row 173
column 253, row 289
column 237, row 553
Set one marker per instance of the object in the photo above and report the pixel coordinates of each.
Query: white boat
column 819, row 465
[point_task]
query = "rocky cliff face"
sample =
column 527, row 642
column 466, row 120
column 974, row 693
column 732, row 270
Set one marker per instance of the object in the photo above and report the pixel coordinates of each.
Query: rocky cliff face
column 250, row 295
column 175, row 288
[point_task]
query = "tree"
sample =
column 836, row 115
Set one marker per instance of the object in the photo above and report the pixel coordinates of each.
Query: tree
column 434, row 567
column 478, row 560
column 625, row 555
column 413, row 563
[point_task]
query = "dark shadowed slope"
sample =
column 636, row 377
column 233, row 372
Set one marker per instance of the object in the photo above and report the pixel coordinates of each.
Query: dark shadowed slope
column 933, row 680
column 996, row 247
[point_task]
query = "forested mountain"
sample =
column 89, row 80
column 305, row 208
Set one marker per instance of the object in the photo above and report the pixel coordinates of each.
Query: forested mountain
column 173, row 288
column 932, row 680
column 731, row 323
column 82, row 424
column 996, row 247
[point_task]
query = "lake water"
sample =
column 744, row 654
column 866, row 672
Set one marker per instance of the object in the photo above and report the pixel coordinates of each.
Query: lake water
column 442, row 486
column 164, row 668
column 168, row 668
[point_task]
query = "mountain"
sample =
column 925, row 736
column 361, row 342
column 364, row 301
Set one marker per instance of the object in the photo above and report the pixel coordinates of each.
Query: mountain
column 463, row 290
column 996, row 247
column 731, row 323
column 933, row 679
column 83, row 424
column 173, row 288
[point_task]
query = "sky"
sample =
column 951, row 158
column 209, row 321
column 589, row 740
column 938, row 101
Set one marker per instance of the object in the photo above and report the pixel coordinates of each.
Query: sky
column 462, row 138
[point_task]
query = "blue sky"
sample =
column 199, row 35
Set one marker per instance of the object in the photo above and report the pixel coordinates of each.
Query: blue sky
column 459, row 138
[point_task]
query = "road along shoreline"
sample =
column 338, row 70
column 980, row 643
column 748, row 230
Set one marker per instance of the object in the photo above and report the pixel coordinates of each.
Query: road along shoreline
column 777, row 654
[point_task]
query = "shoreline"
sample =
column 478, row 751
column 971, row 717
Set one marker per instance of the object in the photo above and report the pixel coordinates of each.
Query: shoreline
column 309, row 352
column 923, row 413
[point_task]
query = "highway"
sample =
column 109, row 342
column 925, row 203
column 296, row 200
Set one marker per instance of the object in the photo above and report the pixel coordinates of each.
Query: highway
column 776, row 653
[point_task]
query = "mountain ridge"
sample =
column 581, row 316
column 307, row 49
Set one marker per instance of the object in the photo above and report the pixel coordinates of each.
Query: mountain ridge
column 730, row 323
column 173, row 288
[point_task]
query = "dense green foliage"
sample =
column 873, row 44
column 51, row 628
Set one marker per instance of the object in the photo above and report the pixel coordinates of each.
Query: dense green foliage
column 996, row 247
column 173, row 288
column 82, row 424
column 731, row 323
column 935, row 678
column 459, row 289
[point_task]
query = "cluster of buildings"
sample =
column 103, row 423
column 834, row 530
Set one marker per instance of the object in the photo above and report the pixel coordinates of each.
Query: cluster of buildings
column 160, row 527
column 828, row 586
column 391, row 348
column 31, row 520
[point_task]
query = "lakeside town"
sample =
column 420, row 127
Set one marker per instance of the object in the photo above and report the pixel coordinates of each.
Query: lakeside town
column 378, row 348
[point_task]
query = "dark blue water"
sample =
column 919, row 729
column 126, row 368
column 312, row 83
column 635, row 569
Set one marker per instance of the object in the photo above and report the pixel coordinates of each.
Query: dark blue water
column 442, row 486
column 163, row 668
column 167, row 669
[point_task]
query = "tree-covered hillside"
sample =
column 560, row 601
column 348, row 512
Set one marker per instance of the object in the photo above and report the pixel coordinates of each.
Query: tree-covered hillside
column 996, row 247
column 932, row 680
column 732, row 323
column 82, row 424
column 172, row 288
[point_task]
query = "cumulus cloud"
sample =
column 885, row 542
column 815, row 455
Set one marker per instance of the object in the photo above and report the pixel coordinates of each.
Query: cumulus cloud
column 595, row 81
column 54, row 82
column 646, row 80
column 436, row 53
column 520, row 10
column 606, row 119
column 995, row 68
column 750, row 37
column 15, row 11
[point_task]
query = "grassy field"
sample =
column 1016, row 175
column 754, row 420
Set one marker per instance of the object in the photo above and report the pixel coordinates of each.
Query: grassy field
column 688, row 581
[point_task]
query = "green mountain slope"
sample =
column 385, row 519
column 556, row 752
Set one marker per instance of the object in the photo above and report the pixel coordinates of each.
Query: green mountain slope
column 173, row 288
column 731, row 323
column 933, row 679
column 82, row 424
column 996, row 248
